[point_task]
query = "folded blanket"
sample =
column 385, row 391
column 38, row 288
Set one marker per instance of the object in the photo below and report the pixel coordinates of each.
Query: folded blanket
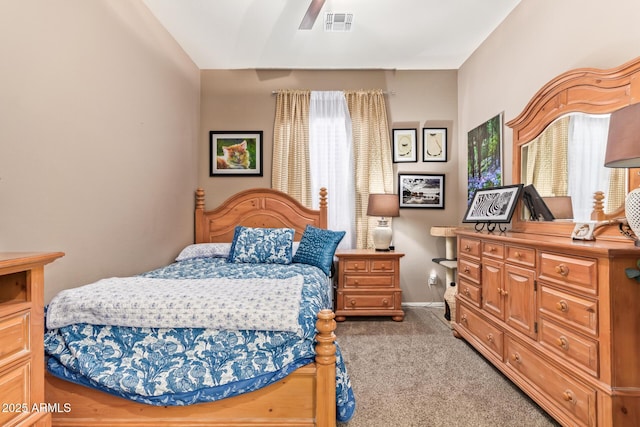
column 217, row 303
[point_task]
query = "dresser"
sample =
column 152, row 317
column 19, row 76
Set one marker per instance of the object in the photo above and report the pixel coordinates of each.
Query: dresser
column 368, row 284
column 559, row 318
column 22, row 338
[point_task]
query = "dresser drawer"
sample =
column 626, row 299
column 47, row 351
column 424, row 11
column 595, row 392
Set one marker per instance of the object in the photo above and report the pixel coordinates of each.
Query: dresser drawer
column 469, row 269
column 575, row 399
column 14, row 337
column 469, row 291
column 580, row 313
column 15, row 390
column 582, row 351
column 490, row 336
column 383, row 265
column 371, row 280
column 578, row 273
column 469, row 247
column 369, row 300
column 492, row 249
column 522, row 256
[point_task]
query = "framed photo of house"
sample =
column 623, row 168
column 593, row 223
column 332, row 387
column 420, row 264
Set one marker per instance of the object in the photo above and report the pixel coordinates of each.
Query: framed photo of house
column 494, row 205
column 421, row 190
column 405, row 146
column 434, row 144
column 484, row 156
column 235, row 153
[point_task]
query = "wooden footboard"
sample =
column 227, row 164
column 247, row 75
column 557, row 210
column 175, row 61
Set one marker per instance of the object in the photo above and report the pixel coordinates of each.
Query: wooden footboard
column 307, row 397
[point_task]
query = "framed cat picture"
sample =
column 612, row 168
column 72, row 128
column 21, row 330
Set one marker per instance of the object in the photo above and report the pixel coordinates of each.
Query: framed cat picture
column 235, row 153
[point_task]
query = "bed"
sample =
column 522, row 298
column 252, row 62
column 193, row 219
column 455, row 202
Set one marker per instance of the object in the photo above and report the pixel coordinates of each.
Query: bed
column 101, row 373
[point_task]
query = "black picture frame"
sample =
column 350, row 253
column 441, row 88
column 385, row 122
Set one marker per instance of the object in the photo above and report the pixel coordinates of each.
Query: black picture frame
column 421, row 190
column 244, row 160
column 538, row 209
column 434, row 144
column 493, row 205
column 405, row 145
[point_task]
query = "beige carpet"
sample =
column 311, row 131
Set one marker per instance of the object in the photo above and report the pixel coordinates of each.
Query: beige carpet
column 415, row 373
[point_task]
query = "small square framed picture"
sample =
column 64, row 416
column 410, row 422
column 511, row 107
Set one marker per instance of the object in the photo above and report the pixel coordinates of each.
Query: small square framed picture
column 405, row 147
column 434, row 144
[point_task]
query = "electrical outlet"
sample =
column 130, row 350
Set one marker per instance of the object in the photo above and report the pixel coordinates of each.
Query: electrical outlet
column 433, row 279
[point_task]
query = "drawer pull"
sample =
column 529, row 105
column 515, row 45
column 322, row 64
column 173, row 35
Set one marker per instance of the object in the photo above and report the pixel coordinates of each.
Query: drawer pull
column 492, row 249
column 464, row 319
column 490, row 338
column 563, row 343
column 356, row 282
column 384, row 267
column 516, row 357
column 562, row 270
column 352, row 302
column 466, row 292
column 466, row 269
column 562, row 306
column 467, row 248
column 385, row 302
column 517, row 254
column 568, row 396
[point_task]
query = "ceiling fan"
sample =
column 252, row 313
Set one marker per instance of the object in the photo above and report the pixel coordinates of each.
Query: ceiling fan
column 312, row 13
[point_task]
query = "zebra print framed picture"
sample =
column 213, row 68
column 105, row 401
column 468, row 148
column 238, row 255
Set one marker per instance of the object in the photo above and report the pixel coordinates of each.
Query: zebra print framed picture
column 493, row 205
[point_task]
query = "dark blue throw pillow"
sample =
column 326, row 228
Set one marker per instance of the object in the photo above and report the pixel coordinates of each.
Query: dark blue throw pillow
column 317, row 247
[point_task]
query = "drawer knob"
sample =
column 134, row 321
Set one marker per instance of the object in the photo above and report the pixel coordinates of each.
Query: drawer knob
column 562, row 270
column 563, row 343
column 467, row 248
column 356, row 282
column 492, row 249
column 352, row 302
column 385, row 302
column 466, row 269
column 490, row 337
column 568, row 396
column 466, row 292
column 562, row 306
column 516, row 357
column 518, row 254
column 463, row 318
column 384, row 267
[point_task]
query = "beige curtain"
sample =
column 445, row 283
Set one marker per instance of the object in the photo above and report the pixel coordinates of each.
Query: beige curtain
column 290, row 170
column 547, row 160
column 372, row 155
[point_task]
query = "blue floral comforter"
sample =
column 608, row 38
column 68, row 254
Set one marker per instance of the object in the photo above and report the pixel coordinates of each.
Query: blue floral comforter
column 182, row 366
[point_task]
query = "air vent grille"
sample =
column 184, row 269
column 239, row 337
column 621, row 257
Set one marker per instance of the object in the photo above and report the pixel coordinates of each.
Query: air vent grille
column 338, row 22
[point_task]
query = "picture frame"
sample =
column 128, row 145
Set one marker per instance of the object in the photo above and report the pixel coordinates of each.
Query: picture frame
column 405, row 145
column 434, row 144
column 235, row 153
column 493, row 205
column 421, row 190
column 484, row 156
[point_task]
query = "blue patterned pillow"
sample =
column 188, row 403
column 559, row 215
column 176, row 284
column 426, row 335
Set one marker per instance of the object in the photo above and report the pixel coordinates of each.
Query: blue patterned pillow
column 262, row 245
column 317, row 247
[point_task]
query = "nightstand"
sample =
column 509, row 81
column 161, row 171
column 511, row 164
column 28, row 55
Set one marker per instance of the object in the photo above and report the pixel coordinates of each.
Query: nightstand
column 368, row 284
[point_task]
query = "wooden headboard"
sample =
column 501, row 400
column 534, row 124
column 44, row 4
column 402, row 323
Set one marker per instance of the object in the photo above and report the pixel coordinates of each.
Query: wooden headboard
column 258, row 207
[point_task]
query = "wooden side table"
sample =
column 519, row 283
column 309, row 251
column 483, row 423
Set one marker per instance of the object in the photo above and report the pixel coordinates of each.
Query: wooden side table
column 368, row 284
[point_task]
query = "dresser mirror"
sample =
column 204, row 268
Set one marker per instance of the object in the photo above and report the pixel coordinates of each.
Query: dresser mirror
column 560, row 129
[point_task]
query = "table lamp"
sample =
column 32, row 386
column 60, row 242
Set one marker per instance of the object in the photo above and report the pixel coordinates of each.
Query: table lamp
column 383, row 206
column 623, row 151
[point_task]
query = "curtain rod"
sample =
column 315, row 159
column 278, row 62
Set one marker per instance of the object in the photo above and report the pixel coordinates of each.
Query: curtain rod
column 384, row 92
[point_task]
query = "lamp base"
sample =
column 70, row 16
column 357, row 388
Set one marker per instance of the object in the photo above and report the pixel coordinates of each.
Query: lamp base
column 632, row 211
column 382, row 236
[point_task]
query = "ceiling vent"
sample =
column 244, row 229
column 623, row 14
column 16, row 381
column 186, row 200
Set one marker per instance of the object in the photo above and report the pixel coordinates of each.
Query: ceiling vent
column 338, row 22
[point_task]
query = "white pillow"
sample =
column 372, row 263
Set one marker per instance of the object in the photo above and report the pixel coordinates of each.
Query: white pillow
column 205, row 250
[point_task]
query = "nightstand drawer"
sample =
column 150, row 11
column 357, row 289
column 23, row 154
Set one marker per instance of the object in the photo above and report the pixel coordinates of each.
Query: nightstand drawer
column 383, row 265
column 369, row 300
column 375, row 280
column 15, row 390
column 14, row 337
column 356, row 265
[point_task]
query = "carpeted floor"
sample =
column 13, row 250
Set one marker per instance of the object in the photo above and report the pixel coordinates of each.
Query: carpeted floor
column 415, row 373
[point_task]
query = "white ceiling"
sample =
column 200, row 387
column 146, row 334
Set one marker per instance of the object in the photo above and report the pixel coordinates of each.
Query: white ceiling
column 386, row 34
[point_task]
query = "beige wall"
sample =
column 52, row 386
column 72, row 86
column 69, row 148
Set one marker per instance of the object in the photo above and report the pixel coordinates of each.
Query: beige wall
column 243, row 100
column 539, row 40
column 98, row 137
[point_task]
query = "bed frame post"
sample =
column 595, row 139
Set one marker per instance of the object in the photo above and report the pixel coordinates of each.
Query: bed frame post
column 199, row 231
column 323, row 207
column 326, row 369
